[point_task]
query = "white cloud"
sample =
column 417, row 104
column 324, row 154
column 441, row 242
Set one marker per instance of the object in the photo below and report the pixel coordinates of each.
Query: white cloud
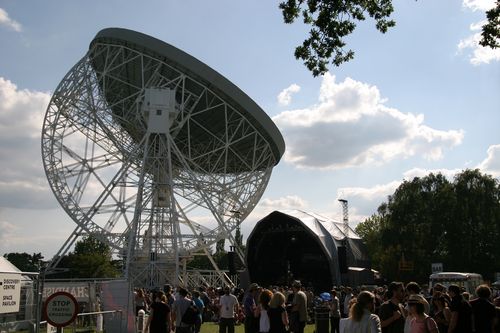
column 475, row 5
column 352, row 126
column 285, row 96
column 420, row 172
column 478, row 54
column 287, row 202
column 368, row 193
column 5, row 20
column 22, row 179
column 491, row 163
column 364, row 201
column 7, row 230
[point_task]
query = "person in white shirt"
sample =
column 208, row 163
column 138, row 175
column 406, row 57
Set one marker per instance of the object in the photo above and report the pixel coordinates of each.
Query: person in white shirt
column 228, row 307
column 347, row 300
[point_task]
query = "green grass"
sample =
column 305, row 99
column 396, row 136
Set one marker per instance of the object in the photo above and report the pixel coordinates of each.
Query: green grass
column 214, row 328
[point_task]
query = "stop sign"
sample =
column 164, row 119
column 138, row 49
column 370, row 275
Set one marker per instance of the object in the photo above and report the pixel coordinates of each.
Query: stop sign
column 61, row 309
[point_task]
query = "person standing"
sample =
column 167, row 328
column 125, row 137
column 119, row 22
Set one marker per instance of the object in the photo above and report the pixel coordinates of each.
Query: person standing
column 461, row 312
column 140, row 301
column 200, row 306
column 179, row 307
column 334, row 312
column 347, row 301
column 298, row 316
column 413, row 289
column 159, row 315
column 249, row 305
column 420, row 321
column 261, row 310
column 483, row 310
column 361, row 318
column 278, row 317
column 442, row 313
column 228, row 306
column 391, row 312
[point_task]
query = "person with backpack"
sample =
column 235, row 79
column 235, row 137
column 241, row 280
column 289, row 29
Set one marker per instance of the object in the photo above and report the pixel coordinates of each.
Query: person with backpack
column 228, row 307
column 420, row 322
column 184, row 312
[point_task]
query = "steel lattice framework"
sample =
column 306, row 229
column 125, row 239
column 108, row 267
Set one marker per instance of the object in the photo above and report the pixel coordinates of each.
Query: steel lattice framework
column 154, row 197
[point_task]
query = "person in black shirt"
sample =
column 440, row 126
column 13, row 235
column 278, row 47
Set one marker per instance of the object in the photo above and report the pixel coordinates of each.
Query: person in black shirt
column 278, row 317
column 483, row 310
column 461, row 312
column 159, row 317
column 392, row 313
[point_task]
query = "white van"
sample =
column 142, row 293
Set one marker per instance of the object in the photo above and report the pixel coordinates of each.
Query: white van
column 468, row 281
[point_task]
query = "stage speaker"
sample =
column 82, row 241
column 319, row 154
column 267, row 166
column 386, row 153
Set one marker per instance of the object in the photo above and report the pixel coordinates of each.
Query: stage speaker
column 342, row 254
column 231, row 255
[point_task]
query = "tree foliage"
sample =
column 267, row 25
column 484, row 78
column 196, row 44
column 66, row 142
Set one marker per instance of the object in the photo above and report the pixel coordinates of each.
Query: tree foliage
column 490, row 36
column 431, row 219
column 219, row 247
column 91, row 258
column 25, row 262
column 201, row 261
column 331, row 21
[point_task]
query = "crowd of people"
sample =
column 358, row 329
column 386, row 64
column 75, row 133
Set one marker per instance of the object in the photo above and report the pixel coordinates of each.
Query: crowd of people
column 395, row 308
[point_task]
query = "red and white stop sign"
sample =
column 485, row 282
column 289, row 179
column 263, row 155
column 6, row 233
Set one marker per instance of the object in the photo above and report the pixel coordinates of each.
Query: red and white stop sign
column 61, row 309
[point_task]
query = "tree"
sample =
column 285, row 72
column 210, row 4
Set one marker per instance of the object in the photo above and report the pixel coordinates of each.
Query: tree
column 332, row 21
column 430, row 219
column 491, row 30
column 25, row 262
column 91, row 258
column 219, row 246
column 238, row 237
column 473, row 243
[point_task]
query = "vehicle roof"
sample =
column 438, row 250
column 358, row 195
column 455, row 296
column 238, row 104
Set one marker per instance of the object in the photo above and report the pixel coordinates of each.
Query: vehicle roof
column 453, row 274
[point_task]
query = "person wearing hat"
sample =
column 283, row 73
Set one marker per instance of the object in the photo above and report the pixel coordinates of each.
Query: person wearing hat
column 413, row 288
column 249, row 305
column 298, row 316
column 420, row 321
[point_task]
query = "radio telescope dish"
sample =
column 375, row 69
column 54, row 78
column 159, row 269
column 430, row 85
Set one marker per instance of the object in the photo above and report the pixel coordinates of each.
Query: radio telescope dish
column 154, row 153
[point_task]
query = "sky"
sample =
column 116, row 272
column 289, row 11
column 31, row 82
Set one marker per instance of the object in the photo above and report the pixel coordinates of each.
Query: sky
column 424, row 97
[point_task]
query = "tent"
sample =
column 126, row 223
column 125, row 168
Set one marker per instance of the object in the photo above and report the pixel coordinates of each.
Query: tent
column 293, row 244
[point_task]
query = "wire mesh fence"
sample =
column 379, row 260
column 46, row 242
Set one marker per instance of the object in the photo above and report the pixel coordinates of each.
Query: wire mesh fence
column 19, row 296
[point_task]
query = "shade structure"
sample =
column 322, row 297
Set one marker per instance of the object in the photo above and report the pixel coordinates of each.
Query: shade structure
column 292, row 244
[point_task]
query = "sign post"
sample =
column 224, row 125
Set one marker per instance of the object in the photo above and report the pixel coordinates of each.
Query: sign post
column 60, row 309
column 10, row 292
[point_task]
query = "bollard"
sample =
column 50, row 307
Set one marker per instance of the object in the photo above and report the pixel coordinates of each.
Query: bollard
column 140, row 321
column 322, row 319
column 99, row 322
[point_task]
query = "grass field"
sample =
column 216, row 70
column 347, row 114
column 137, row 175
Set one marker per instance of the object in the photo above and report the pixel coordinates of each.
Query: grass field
column 214, row 328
